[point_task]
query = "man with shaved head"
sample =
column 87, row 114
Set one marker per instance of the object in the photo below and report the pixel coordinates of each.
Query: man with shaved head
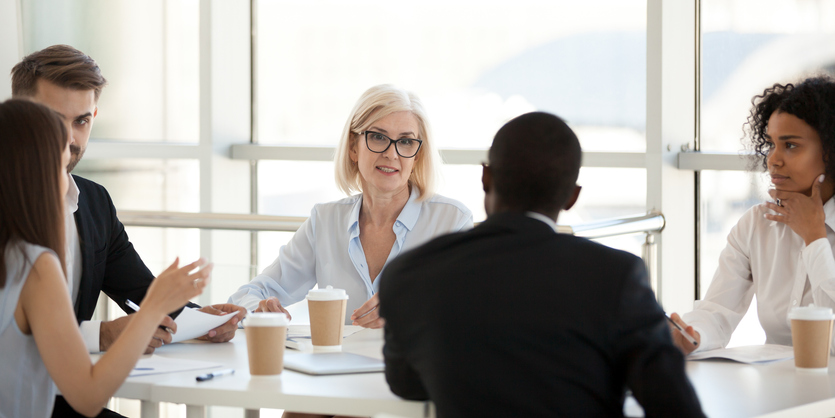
column 512, row 318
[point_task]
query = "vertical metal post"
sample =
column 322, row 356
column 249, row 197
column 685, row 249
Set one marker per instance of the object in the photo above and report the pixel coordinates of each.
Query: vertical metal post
column 648, row 253
column 670, row 124
column 253, row 132
column 205, row 136
column 697, row 176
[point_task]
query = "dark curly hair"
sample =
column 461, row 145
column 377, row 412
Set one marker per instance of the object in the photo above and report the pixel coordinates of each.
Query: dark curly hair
column 812, row 100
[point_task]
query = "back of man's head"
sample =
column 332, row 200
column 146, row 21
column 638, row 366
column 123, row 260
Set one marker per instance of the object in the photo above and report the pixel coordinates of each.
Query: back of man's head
column 535, row 160
column 61, row 65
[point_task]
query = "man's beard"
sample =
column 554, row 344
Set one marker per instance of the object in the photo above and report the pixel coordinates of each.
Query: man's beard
column 76, row 153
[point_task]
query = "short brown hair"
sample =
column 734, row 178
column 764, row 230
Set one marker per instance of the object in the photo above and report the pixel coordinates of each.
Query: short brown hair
column 62, row 65
column 31, row 209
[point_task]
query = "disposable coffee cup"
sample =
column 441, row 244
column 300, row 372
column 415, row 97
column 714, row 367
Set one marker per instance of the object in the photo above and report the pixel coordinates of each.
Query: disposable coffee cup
column 327, row 318
column 811, row 337
column 265, row 336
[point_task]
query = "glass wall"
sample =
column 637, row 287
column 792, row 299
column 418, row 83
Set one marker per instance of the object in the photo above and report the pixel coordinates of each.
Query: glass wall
column 148, row 51
column 747, row 46
column 475, row 64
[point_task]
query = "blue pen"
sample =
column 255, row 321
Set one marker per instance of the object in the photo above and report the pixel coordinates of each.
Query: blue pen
column 135, row 308
column 132, row 305
column 212, row 375
column 687, row 336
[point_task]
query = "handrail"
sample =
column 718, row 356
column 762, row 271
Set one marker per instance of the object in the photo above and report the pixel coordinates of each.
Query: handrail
column 229, row 221
column 651, row 222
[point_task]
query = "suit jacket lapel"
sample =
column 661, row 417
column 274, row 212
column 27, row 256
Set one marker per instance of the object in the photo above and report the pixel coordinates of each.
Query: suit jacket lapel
column 83, row 225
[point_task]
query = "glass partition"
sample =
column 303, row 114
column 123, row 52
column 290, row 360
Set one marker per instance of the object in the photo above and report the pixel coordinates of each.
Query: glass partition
column 148, row 51
column 475, row 64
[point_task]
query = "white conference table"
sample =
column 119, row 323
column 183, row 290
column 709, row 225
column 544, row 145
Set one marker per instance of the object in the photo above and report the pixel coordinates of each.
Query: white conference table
column 363, row 394
column 730, row 389
column 725, row 388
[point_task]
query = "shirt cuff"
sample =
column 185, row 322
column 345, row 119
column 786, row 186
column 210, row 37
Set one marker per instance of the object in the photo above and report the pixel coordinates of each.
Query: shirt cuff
column 90, row 332
column 820, row 263
column 248, row 302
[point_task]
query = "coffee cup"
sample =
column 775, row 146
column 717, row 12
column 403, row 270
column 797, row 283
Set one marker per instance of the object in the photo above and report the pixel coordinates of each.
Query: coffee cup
column 266, row 333
column 811, row 337
column 327, row 318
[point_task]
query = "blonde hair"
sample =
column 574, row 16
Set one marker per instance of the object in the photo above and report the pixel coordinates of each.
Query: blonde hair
column 375, row 104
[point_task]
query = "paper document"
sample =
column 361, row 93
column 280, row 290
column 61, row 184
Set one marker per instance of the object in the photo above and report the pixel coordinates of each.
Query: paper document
column 751, row 354
column 154, row 364
column 192, row 323
column 298, row 336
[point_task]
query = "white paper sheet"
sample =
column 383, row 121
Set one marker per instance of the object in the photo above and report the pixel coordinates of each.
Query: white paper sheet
column 298, row 336
column 192, row 323
column 750, row 354
column 154, row 364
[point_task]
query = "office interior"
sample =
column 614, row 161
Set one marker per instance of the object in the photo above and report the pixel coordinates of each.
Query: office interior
column 234, row 107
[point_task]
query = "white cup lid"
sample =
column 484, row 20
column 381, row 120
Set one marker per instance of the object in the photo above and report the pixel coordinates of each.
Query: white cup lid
column 328, row 293
column 811, row 313
column 266, row 319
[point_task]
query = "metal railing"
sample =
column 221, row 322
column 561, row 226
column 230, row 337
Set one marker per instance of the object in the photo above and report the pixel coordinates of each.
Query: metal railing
column 649, row 224
column 652, row 222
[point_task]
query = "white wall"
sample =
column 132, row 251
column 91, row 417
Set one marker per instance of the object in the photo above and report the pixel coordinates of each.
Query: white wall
column 10, row 43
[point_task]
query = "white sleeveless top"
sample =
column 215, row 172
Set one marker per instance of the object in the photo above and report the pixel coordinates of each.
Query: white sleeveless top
column 26, row 389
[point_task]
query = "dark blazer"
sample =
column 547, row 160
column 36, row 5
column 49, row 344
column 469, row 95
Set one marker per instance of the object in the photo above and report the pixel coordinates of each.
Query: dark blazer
column 109, row 261
column 110, row 264
column 512, row 319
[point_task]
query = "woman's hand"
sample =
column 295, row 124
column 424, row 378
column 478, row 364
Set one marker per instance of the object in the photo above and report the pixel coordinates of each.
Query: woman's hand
column 367, row 315
column 803, row 214
column 685, row 346
column 226, row 331
column 175, row 286
column 271, row 304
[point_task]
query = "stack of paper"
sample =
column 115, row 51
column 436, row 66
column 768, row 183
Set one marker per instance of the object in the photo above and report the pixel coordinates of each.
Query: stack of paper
column 751, row 354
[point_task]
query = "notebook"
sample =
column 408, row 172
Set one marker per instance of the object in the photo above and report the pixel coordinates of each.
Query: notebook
column 298, row 336
column 332, row 363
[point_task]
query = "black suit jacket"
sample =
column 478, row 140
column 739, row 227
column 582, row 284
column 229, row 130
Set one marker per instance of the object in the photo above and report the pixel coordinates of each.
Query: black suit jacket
column 109, row 263
column 512, row 319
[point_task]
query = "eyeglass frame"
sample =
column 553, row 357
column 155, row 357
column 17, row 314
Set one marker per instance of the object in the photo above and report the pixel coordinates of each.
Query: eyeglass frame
column 391, row 141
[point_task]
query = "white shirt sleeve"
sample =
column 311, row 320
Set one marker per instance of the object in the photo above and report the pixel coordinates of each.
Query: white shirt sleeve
column 820, row 266
column 729, row 295
column 90, row 332
column 289, row 277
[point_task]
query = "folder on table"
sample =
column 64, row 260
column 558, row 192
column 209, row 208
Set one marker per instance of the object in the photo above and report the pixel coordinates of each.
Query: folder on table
column 332, row 363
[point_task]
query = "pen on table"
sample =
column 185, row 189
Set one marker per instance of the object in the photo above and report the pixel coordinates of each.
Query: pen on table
column 681, row 330
column 135, row 308
column 212, row 375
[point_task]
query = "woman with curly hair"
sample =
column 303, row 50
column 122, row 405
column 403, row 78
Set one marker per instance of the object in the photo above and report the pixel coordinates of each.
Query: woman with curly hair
column 781, row 251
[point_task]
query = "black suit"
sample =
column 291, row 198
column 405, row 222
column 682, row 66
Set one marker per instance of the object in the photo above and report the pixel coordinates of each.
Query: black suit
column 109, row 263
column 512, row 319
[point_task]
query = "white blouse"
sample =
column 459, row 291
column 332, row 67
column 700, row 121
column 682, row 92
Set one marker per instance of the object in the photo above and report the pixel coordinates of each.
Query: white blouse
column 326, row 250
column 770, row 260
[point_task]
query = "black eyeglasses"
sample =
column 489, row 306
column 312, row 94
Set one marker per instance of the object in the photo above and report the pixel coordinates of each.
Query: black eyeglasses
column 379, row 143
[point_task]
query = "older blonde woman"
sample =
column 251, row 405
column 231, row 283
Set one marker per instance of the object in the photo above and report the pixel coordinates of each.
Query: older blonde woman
column 385, row 153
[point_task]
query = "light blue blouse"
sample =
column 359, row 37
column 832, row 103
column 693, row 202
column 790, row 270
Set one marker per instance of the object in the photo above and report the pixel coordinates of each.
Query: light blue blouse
column 326, row 250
